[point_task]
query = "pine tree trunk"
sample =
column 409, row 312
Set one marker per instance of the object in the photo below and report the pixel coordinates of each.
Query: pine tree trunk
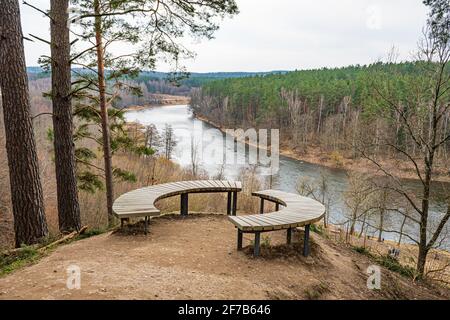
column 30, row 224
column 104, row 112
column 66, row 182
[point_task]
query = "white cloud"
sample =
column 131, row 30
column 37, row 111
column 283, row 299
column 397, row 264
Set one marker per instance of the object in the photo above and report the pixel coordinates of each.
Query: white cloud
column 291, row 34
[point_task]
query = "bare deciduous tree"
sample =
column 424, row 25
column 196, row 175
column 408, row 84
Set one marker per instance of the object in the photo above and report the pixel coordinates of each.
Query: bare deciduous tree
column 422, row 114
column 169, row 141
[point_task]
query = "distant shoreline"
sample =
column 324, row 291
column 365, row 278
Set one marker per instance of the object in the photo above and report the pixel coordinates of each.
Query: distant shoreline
column 161, row 100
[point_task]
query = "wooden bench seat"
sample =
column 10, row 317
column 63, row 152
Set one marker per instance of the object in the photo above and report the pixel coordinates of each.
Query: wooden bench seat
column 141, row 202
column 298, row 211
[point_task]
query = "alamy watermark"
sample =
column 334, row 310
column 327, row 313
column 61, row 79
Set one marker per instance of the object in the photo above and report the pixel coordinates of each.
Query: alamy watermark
column 374, row 279
column 374, row 17
column 73, row 277
column 237, row 147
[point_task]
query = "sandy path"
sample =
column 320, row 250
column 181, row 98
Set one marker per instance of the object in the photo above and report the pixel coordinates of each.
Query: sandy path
column 195, row 258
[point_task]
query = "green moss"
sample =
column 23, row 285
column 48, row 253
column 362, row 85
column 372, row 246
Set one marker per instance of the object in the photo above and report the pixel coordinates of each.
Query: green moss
column 362, row 250
column 16, row 260
column 317, row 229
column 394, row 265
column 27, row 255
column 389, row 263
column 91, row 233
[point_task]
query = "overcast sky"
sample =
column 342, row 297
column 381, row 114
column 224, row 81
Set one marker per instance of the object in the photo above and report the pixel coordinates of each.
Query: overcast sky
column 289, row 34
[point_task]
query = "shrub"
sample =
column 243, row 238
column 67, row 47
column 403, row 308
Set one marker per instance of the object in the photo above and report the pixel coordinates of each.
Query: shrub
column 337, row 158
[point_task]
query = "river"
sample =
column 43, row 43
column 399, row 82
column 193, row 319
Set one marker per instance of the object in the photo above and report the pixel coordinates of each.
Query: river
column 187, row 128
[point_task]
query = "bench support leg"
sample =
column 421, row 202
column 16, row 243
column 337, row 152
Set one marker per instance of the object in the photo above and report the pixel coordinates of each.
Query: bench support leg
column 122, row 222
column 306, row 242
column 277, row 207
column 184, row 204
column 289, row 236
column 239, row 240
column 261, row 206
column 229, row 199
column 234, row 202
column 257, row 244
column 146, row 225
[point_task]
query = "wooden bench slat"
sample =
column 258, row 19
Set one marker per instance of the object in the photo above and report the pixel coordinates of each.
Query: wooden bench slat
column 246, row 224
column 298, row 211
column 239, row 222
column 228, row 183
column 141, row 202
column 221, row 183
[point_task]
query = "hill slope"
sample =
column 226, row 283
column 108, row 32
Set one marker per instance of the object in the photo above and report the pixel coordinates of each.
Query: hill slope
column 195, row 258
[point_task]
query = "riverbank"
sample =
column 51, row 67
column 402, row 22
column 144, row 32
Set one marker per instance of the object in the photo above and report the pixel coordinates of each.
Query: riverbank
column 335, row 160
column 160, row 100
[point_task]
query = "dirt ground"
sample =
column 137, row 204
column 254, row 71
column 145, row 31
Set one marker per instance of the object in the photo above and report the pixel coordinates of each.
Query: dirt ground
column 196, row 258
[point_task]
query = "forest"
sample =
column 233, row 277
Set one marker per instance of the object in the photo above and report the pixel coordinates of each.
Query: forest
column 330, row 109
column 154, row 82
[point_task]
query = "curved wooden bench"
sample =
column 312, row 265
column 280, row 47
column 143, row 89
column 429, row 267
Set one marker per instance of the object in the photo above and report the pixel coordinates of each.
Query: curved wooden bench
column 141, row 202
column 298, row 211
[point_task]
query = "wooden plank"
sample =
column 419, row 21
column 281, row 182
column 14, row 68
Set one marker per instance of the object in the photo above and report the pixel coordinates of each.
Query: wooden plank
column 232, row 184
column 285, row 222
column 134, row 207
column 248, row 225
column 280, row 220
column 256, row 220
column 191, row 185
column 274, row 225
column 297, row 211
column 228, row 183
column 214, row 184
column 219, row 184
column 184, row 185
column 210, row 184
column 249, row 222
column 239, row 222
column 258, row 224
column 142, row 201
column 223, row 184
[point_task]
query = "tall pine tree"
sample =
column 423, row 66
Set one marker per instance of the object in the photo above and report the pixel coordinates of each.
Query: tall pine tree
column 30, row 224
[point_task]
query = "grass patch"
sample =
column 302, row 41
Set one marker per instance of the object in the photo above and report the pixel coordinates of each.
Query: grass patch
column 27, row 255
column 362, row 250
column 265, row 242
column 393, row 265
column 317, row 291
column 91, row 233
column 16, row 260
column 316, row 229
column 388, row 262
